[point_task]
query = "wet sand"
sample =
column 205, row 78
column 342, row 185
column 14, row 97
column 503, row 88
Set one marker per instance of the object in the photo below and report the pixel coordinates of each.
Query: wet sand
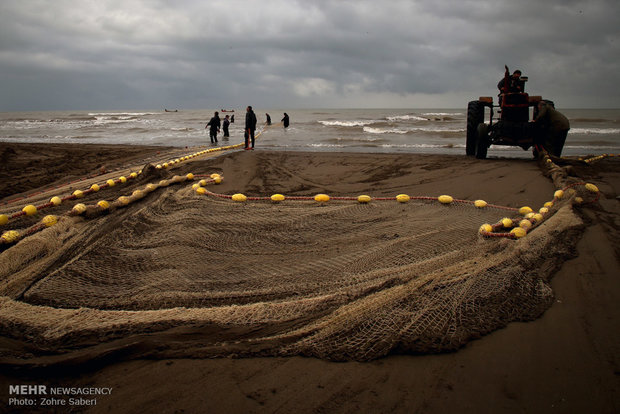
column 565, row 361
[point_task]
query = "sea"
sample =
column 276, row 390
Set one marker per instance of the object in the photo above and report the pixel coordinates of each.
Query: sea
column 425, row 131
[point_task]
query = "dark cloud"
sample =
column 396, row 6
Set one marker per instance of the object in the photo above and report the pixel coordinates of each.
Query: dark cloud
column 194, row 54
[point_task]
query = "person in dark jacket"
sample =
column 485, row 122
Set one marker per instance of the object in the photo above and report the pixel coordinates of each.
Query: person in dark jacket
column 268, row 119
column 285, row 120
column 554, row 127
column 250, row 127
column 515, row 84
column 225, row 125
column 214, row 123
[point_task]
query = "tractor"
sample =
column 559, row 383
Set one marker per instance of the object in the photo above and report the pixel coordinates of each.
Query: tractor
column 512, row 128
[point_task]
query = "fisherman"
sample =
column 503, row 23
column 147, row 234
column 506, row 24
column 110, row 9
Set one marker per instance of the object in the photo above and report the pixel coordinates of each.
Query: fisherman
column 215, row 127
column 554, row 128
column 285, row 120
column 511, row 84
column 268, row 119
column 250, row 127
column 225, row 125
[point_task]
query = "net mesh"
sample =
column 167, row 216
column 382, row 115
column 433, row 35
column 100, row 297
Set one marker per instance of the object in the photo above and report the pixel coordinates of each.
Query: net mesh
column 338, row 280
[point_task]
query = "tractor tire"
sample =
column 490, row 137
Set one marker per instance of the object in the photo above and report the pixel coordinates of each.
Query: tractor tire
column 482, row 141
column 475, row 116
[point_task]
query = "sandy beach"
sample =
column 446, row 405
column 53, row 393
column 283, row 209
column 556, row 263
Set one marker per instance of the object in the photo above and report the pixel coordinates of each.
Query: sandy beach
column 545, row 339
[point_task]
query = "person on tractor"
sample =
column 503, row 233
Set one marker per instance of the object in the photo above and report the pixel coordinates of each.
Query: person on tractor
column 553, row 126
column 511, row 84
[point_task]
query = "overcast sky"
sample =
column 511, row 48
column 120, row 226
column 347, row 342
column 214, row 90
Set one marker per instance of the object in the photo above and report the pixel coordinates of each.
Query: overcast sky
column 131, row 54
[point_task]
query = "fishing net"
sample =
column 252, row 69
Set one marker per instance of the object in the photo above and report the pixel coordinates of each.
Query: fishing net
column 340, row 280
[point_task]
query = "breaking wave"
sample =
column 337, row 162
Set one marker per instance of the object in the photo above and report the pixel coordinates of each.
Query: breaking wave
column 594, row 131
column 371, row 130
column 353, row 123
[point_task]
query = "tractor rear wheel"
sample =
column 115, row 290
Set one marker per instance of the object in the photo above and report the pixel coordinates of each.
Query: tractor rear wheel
column 475, row 116
column 482, row 141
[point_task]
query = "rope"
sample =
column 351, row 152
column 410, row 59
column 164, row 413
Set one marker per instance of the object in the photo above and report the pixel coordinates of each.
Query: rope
column 13, row 236
column 600, row 157
column 31, row 209
column 5, row 218
column 352, row 198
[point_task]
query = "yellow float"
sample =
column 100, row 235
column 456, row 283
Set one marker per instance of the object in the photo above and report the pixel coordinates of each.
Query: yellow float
column 30, row 210
column 103, row 204
column 241, row 198
column 49, row 220
column 507, row 222
column 480, row 203
column 10, row 236
column 79, row 208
